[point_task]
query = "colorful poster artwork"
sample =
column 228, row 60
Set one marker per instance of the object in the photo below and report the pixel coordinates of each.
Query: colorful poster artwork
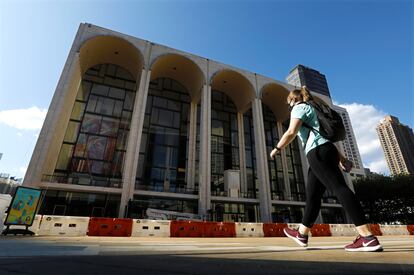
column 23, row 207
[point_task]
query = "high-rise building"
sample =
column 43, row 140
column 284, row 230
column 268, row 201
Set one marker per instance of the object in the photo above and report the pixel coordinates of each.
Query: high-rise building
column 350, row 145
column 136, row 125
column 305, row 76
column 397, row 141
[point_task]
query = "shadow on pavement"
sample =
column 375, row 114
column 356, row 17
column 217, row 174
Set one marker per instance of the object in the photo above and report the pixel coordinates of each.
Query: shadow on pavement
column 170, row 264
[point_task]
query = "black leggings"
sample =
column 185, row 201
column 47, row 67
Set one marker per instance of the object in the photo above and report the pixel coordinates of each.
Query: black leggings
column 325, row 173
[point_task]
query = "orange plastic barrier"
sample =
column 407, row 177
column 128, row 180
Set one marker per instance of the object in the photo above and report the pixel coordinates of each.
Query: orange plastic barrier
column 186, row 229
column 274, row 229
column 410, row 229
column 110, row 227
column 375, row 229
column 219, row 229
column 319, row 230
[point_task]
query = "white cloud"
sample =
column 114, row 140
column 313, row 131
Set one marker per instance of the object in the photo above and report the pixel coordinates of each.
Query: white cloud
column 23, row 170
column 24, row 119
column 19, row 134
column 364, row 120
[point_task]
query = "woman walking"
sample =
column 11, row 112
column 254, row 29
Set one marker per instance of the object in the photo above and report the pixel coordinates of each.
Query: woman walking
column 324, row 173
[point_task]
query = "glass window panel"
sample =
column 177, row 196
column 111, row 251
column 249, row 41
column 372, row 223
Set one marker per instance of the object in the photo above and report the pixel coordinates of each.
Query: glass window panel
column 84, row 91
column 121, row 73
column 130, row 85
column 109, row 126
column 92, row 103
column 217, row 128
column 235, row 139
column 110, row 149
column 165, row 118
column 140, row 169
column 96, row 147
column 72, row 132
column 99, row 89
column 78, row 109
column 64, row 157
column 118, row 108
column 129, row 101
column 159, row 156
column 143, row 146
column 91, row 124
column 173, row 105
column 97, row 167
column 176, row 123
column 80, row 145
column 172, row 137
column 116, row 93
column 118, row 163
column 105, row 106
column 110, row 69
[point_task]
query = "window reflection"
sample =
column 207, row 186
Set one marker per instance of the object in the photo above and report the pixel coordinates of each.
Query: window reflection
column 224, row 140
column 98, row 128
column 163, row 149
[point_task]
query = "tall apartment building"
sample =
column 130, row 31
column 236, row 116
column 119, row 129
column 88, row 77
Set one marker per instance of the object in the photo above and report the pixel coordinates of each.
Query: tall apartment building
column 397, row 141
column 350, row 145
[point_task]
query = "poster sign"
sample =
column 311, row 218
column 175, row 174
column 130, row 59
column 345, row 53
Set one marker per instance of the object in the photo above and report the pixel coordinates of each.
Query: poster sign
column 23, row 208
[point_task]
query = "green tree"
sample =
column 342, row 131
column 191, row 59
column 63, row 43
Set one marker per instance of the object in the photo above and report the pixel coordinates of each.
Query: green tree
column 387, row 200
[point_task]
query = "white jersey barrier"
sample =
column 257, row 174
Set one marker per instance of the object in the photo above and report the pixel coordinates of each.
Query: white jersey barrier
column 150, row 228
column 343, row 230
column 247, row 229
column 63, row 226
column 394, row 230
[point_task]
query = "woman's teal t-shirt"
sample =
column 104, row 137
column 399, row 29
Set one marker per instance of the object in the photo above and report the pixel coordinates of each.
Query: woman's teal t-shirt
column 307, row 114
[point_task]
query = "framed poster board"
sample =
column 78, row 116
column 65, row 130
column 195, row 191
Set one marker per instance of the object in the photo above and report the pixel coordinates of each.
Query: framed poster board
column 23, row 207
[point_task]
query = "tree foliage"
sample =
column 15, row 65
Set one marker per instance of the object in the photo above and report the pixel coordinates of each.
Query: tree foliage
column 387, row 200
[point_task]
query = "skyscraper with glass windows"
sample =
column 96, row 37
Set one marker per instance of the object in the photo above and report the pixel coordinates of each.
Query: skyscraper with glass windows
column 397, row 141
column 136, row 125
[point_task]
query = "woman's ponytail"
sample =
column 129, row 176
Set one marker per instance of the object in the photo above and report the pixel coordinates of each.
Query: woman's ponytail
column 304, row 92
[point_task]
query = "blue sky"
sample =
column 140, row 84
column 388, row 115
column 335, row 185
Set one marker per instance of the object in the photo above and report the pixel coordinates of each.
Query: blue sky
column 365, row 49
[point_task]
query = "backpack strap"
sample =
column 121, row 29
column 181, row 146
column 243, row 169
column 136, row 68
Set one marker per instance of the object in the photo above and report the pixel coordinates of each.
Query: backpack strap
column 307, row 125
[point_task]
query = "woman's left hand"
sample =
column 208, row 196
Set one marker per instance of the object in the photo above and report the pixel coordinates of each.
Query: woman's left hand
column 273, row 153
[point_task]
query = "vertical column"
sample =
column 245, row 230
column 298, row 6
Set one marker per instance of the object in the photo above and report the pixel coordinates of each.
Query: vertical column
column 134, row 142
column 192, row 142
column 65, row 92
column 242, row 153
column 261, row 159
column 204, row 202
column 284, row 164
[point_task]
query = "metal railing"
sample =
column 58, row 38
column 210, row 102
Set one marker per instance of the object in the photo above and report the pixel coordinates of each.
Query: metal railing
column 83, row 180
column 171, row 189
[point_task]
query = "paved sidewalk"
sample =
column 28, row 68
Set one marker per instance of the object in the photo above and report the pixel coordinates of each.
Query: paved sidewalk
column 115, row 255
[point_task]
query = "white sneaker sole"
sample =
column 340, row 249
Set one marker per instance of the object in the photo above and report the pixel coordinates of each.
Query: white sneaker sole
column 296, row 240
column 377, row 248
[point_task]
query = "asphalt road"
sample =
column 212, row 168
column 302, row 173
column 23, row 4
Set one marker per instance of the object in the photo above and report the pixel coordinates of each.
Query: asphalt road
column 115, row 255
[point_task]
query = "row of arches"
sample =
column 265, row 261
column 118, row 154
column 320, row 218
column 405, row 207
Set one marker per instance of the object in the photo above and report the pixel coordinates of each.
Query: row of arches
column 241, row 88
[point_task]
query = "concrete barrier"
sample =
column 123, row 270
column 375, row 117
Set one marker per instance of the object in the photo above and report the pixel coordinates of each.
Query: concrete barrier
column 343, row 230
column 150, row 228
column 394, row 230
column 63, row 226
column 247, row 229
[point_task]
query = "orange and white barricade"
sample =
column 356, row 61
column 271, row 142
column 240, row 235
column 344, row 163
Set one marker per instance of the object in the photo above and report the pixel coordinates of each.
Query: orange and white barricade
column 150, row 228
column 247, row 229
column 63, row 226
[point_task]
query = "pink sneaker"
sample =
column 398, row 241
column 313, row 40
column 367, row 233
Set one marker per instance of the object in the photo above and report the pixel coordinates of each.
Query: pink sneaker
column 362, row 244
column 294, row 234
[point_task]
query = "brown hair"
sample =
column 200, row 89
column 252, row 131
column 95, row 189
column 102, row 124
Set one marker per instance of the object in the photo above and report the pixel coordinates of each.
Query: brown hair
column 302, row 94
